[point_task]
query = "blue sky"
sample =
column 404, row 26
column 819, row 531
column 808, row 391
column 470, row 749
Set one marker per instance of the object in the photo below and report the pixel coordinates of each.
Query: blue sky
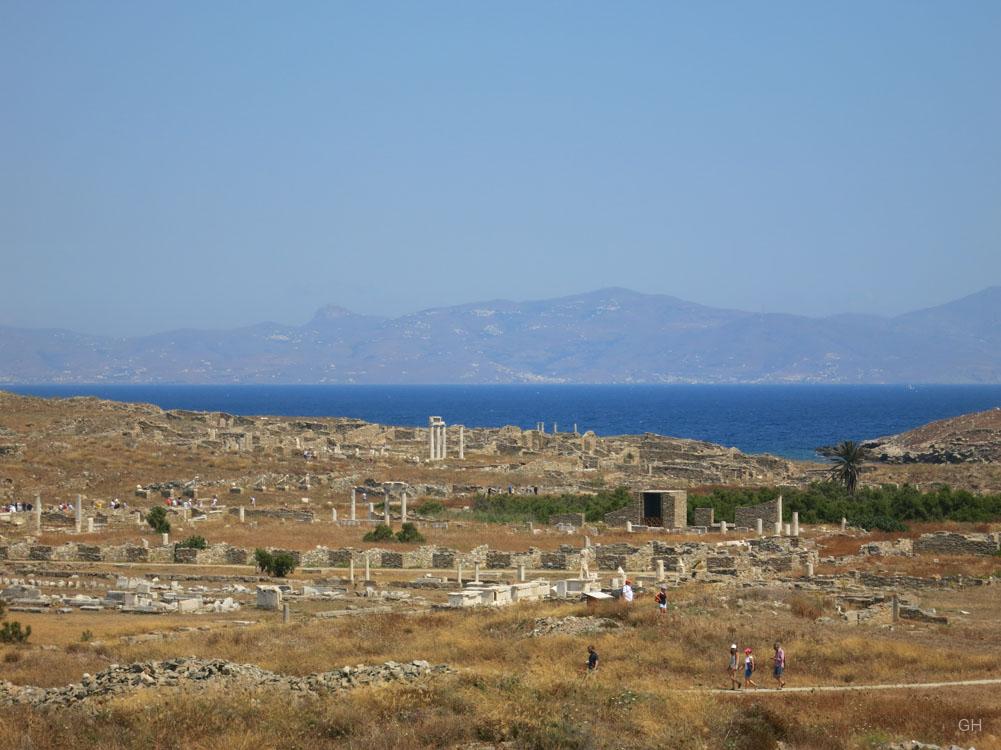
column 213, row 164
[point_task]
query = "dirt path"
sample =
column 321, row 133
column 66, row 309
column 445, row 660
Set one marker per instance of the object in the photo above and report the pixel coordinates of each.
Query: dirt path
column 847, row 688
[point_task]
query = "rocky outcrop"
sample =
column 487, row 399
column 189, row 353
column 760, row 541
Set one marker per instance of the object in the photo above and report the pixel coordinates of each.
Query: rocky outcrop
column 192, row 673
column 970, row 438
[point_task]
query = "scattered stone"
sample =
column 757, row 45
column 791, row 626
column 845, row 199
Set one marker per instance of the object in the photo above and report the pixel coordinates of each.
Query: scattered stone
column 572, row 625
column 190, row 672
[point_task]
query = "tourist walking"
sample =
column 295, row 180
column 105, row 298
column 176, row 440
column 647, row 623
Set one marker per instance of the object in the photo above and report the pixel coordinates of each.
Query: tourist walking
column 733, row 668
column 779, row 667
column 749, row 668
column 592, row 661
column 661, row 600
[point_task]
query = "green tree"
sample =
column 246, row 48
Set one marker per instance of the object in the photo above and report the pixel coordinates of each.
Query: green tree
column 277, row 564
column 381, row 533
column 848, row 457
column 157, row 519
column 409, row 534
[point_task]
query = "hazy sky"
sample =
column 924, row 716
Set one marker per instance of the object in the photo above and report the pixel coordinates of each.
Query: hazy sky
column 214, row 164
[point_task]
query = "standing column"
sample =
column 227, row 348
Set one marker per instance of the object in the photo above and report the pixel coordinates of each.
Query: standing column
column 403, row 507
column 353, row 510
column 795, row 523
column 78, row 511
column 432, row 454
column 444, row 441
column 38, row 512
column 759, row 526
column 368, row 568
column 385, row 508
column 462, row 442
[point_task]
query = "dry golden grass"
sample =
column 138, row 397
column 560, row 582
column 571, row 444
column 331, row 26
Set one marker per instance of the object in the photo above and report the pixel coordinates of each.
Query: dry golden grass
column 527, row 690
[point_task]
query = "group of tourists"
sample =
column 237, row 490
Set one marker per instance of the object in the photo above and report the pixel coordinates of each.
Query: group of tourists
column 750, row 666
column 16, row 507
column 733, row 666
column 734, row 669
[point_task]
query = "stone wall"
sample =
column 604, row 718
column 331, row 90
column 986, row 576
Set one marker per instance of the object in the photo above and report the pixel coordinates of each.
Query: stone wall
column 950, row 543
column 570, row 519
column 769, row 513
column 704, row 516
column 749, row 558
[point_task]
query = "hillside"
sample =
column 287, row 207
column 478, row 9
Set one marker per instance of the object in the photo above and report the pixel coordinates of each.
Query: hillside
column 606, row 336
column 969, row 438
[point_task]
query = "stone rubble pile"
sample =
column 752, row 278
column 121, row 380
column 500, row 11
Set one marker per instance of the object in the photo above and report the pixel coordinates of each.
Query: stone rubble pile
column 191, row 672
column 572, row 625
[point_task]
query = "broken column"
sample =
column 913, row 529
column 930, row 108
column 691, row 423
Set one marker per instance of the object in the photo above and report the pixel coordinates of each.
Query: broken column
column 368, row 568
column 90, row 525
column 351, row 570
column 78, row 513
column 462, row 441
column 243, row 514
column 333, row 515
column 660, row 570
column 476, row 572
column 353, row 516
column 759, row 526
column 385, row 507
column 844, row 524
column 37, row 510
column 795, row 523
column 722, row 528
column 521, row 574
column 778, row 528
column 788, row 529
column 165, row 539
column 403, row 507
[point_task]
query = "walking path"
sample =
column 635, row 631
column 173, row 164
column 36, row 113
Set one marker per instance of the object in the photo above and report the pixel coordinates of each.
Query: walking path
column 847, row 688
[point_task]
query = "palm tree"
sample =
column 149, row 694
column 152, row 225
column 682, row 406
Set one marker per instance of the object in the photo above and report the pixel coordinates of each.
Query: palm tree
column 848, row 457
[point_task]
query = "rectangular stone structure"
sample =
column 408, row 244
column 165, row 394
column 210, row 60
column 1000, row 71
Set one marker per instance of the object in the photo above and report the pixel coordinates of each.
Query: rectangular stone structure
column 770, row 513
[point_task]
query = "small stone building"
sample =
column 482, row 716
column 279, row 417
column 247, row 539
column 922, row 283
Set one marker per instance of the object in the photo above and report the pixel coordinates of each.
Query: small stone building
column 667, row 508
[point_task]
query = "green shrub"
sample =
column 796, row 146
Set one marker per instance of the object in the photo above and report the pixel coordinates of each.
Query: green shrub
column 503, row 508
column 194, row 542
column 886, row 508
column 409, row 534
column 431, row 508
column 381, row 533
column 11, row 632
column 277, row 564
column 157, row 519
column 86, row 636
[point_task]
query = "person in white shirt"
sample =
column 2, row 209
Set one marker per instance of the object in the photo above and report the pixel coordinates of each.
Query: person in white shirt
column 627, row 592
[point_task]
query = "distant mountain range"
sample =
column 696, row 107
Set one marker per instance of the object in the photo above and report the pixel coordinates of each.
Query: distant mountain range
column 606, row 336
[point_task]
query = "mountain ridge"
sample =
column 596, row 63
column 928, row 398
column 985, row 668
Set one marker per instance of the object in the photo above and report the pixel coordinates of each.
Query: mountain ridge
column 609, row 335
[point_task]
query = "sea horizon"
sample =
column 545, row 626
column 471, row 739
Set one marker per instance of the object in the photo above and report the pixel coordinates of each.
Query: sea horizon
column 788, row 420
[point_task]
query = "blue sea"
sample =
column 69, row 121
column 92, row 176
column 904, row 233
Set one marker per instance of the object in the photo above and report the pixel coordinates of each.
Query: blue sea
column 789, row 421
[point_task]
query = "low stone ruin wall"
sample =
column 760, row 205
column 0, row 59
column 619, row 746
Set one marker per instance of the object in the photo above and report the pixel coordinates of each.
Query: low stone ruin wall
column 950, row 543
column 769, row 513
column 778, row 554
column 286, row 514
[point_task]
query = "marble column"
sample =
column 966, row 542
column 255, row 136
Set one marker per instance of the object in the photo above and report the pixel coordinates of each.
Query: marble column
column 403, row 507
column 462, row 442
column 353, row 493
column 78, row 513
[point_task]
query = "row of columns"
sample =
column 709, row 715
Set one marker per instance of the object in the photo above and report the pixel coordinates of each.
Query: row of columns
column 438, row 439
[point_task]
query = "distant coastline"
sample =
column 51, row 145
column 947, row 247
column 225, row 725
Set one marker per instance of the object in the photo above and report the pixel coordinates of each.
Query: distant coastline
column 786, row 420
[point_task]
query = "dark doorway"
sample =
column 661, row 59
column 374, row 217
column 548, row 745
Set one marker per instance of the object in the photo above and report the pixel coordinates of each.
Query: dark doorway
column 653, row 514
